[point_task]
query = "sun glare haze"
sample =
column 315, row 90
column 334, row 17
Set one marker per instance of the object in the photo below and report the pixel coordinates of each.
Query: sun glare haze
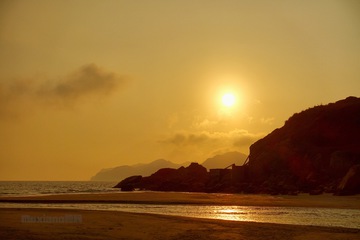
column 158, row 119
column 228, row 100
column 87, row 85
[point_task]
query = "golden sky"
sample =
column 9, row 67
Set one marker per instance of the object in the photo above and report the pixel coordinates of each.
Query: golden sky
column 90, row 84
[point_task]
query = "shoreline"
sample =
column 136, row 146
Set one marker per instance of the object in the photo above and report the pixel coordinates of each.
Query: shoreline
column 122, row 225
column 176, row 198
column 109, row 224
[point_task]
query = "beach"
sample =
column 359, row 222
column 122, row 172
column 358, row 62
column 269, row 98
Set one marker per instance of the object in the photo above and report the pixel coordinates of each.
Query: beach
column 123, row 225
column 120, row 225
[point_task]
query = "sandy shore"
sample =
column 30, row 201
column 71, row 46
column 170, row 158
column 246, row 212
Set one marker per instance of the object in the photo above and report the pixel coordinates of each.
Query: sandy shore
column 303, row 200
column 119, row 225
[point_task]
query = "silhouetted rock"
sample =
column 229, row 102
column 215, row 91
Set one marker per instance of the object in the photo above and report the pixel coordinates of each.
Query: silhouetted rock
column 311, row 152
column 341, row 161
column 130, row 183
column 190, row 179
column 316, row 151
column 350, row 184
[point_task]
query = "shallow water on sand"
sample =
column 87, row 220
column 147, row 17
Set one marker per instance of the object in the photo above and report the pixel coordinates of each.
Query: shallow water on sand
column 329, row 217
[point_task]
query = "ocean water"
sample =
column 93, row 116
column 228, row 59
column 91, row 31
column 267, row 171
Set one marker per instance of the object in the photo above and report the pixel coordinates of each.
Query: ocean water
column 26, row 188
column 329, row 217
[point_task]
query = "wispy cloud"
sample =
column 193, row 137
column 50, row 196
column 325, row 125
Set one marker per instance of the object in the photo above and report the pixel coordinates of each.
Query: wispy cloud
column 204, row 123
column 235, row 138
column 268, row 121
column 88, row 81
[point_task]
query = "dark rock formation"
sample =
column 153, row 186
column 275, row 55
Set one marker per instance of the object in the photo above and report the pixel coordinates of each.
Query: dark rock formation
column 311, row 153
column 130, row 183
column 350, row 184
column 316, row 151
column 190, row 179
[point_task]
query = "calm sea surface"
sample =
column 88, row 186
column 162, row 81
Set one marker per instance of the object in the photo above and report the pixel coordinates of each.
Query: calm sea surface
column 26, row 188
column 330, row 217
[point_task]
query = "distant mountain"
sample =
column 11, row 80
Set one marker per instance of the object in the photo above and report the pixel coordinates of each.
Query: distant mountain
column 225, row 160
column 121, row 172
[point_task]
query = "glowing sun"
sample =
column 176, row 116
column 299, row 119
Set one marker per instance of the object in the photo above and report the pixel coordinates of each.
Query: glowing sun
column 228, row 100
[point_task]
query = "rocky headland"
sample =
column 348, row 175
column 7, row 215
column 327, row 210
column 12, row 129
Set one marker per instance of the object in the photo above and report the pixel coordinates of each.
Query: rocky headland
column 316, row 151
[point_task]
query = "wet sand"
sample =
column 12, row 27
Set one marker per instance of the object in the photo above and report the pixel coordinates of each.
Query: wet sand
column 303, row 200
column 121, row 225
column 103, row 225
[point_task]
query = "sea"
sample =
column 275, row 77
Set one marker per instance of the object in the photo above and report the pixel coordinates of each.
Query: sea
column 328, row 217
column 34, row 188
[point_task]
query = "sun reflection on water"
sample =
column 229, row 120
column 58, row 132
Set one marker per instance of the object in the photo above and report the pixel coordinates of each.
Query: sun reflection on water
column 330, row 217
column 233, row 213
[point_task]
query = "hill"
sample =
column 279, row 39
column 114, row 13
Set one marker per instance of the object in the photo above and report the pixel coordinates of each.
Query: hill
column 312, row 152
column 122, row 172
column 224, row 160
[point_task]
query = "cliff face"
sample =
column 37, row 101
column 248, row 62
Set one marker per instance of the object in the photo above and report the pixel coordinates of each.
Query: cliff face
column 312, row 152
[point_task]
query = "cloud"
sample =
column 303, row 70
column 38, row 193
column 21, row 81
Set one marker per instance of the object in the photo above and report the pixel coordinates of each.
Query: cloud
column 200, row 145
column 235, row 138
column 89, row 81
column 204, row 123
column 181, row 139
column 268, row 121
column 11, row 96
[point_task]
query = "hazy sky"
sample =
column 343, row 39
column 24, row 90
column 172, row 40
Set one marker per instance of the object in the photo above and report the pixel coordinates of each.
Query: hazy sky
column 86, row 84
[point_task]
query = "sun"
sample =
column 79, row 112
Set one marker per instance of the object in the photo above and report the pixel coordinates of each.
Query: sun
column 228, row 99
